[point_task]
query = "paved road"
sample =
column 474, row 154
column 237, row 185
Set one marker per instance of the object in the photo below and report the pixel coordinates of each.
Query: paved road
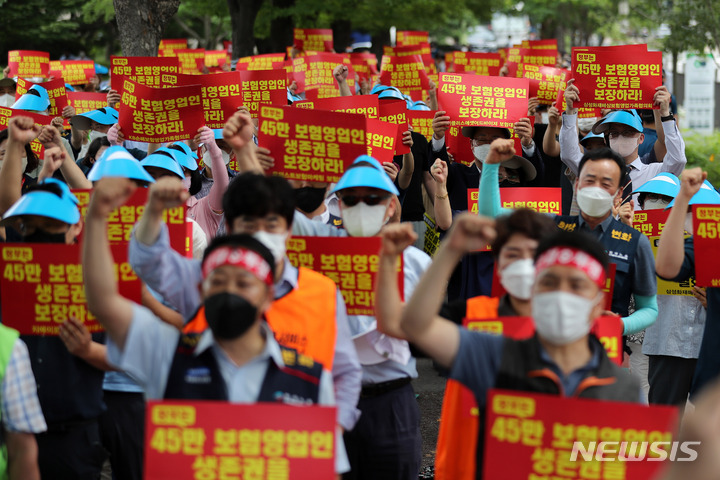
column 429, row 387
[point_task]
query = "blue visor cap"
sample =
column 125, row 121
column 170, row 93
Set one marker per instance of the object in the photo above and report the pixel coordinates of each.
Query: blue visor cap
column 101, row 69
column 419, row 105
column 103, row 116
column 707, row 195
column 625, row 117
column 293, row 98
column 590, row 136
column 185, row 148
column 378, row 88
column 391, row 93
column 165, row 161
column 179, row 154
column 69, row 88
column 365, row 171
column 46, row 204
column 218, row 133
column 118, row 162
column 663, row 184
column 36, row 99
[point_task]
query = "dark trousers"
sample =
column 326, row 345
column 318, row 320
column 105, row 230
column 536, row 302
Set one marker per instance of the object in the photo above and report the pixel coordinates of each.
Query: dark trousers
column 386, row 442
column 71, row 451
column 670, row 379
column 122, row 428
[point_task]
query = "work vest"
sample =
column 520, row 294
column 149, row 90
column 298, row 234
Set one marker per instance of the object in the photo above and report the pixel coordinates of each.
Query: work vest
column 621, row 244
column 457, row 438
column 8, row 337
column 198, row 377
column 303, row 320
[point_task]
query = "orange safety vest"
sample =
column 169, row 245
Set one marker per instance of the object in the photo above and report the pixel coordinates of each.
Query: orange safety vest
column 457, row 439
column 304, row 319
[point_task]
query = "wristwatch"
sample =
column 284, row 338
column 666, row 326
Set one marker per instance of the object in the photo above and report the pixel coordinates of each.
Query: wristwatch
column 667, row 117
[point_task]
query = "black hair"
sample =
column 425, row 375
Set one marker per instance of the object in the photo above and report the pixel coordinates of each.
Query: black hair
column 241, row 240
column 605, row 153
column 93, row 149
column 255, row 195
column 646, row 116
column 46, row 187
column 576, row 240
column 32, row 159
column 195, row 181
column 525, row 222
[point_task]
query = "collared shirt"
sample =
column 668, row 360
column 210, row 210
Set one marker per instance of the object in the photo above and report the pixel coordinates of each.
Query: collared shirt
column 160, row 267
column 599, row 230
column 21, row 410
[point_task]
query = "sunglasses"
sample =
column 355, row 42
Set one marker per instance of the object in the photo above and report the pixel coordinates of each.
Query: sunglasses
column 371, row 200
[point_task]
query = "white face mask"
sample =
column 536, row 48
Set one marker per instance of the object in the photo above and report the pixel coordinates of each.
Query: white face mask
column 226, row 158
column 207, row 160
column 594, row 201
column 363, row 220
column 6, row 100
column 94, row 135
column 655, row 204
column 186, row 182
column 544, row 118
column 585, row 124
column 518, row 278
column 689, row 223
column 275, row 242
column 561, row 317
column 481, row 152
column 625, row 146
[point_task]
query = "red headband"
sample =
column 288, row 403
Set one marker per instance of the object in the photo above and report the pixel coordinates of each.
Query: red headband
column 239, row 257
column 572, row 258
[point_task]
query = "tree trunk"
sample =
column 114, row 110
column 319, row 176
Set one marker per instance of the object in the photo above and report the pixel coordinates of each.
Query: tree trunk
column 242, row 19
column 281, row 28
column 141, row 24
column 378, row 41
column 341, row 35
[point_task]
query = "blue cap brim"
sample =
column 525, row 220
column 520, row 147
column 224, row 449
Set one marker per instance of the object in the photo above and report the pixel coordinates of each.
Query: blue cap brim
column 707, row 195
column 82, row 120
column 44, row 204
column 31, row 103
column 163, row 161
column 371, row 175
column 618, row 116
column 119, row 167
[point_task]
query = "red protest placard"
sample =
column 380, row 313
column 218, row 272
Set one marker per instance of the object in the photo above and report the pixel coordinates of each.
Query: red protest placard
column 406, row 73
column 407, row 50
column 421, row 122
column 151, row 71
column 483, row 101
column 220, row 95
column 160, row 114
column 55, row 89
column 74, row 72
column 268, row 61
column 85, row 102
column 315, row 72
column 544, row 57
column 411, row 37
column 28, row 63
column 616, row 77
column 381, row 143
column 538, row 432
column 366, row 105
column 549, row 44
column 260, row 87
column 706, row 232
column 395, row 112
column 208, row 439
column 46, row 285
column 188, row 58
column 313, row 145
column 352, row 263
column 544, row 81
column 314, row 39
column 168, row 46
column 216, row 58
column 538, row 199
column 583, row 112
column 41, row 120
column 365, row 65
column 650, row 222
column 475, row 62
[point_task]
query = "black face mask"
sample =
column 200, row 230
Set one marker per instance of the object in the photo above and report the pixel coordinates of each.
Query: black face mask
column 229, row 316
column 308, row 199
column 41, row 236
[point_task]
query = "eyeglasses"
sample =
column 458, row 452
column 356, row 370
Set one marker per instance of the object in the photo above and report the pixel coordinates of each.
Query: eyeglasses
column 371, row 200
column 624, row 133
column 483, row 139
column 510, row 176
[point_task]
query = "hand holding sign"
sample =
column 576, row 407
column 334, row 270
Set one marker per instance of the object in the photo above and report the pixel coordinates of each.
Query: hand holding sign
column 662, row 99
column 572, row 94
column 524, row 130
column 440, row 124
column 76, row 337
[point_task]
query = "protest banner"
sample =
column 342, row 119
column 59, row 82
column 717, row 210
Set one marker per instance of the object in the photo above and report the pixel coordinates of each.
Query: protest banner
column 315, row 72
column 539, row 431
column 40, row 120
column 549, row 44
column 84, row 102
column 365, row 65
column 706, row 232
column 74, row 72
column 209, row 439
column 381, row 143
column 421, row 121
column 221, row 95
column 544, row 81
column 312, row 145
column 537, row 199
column 483, row 101
column 55, row 89
column 405, row 38
column 475, row 62
column 616, row 77
column 268, row 61
column 46, row 285
column 583, row 112
column 395, row 112
column 153, row 72
column 160, row 114
column 313, row 39
column 366, row 105
column 168, row 46
column 188, row 58
column 540, row 57
column 28, row 63
column 262, row 88
column 407, row 73
column 421, row 49
column 216, row 58
column 352, row 263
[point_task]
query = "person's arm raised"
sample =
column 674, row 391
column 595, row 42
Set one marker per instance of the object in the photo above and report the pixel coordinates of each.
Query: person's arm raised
column 164, row 194
column 406, row 172
column 21, row 131
column 341, row 74
column 238, row 132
